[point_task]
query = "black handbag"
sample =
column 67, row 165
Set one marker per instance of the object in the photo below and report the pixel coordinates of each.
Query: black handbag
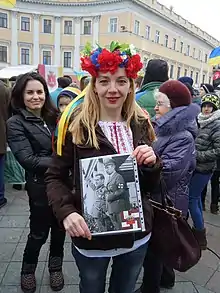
column 172, row 237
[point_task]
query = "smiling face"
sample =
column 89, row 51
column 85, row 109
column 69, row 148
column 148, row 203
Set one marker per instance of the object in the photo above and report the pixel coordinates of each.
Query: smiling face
column 34, row 95
column 112, row 89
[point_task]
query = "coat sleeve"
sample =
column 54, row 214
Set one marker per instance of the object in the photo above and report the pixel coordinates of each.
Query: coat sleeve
column 60, row 195
column 149, row 177
column 22, row 149
column 119, row 190
column 214, row 153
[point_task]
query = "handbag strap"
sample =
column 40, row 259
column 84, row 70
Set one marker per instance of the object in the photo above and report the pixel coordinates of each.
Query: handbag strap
column 165, row 199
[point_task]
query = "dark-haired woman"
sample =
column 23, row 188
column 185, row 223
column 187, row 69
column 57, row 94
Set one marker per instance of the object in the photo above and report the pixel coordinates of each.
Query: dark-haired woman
column 29, row 137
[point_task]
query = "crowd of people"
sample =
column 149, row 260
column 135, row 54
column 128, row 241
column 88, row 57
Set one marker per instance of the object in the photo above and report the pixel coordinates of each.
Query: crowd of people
column 172, row 132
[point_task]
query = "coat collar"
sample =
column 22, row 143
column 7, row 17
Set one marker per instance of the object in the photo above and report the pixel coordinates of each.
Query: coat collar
column 37, row 121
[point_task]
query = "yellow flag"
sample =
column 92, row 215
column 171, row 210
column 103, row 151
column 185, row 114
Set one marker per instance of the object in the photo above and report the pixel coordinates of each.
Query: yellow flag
column 8, row 3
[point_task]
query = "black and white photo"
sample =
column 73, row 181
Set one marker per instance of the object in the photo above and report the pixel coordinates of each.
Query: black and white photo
column 110, row 194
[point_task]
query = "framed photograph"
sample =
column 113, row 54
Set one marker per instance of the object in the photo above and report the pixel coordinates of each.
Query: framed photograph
column 111, row 199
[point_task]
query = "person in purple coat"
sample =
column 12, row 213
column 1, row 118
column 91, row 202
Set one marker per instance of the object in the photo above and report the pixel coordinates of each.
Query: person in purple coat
column 176, row 128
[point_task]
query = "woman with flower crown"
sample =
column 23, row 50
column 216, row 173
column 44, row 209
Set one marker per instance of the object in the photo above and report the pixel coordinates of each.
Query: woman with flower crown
column 107, row 122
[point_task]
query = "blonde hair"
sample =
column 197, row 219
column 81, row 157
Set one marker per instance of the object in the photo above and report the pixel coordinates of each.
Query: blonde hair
column 88, row 116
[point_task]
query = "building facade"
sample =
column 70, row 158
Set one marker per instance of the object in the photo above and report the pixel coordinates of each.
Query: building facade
column 54, row 32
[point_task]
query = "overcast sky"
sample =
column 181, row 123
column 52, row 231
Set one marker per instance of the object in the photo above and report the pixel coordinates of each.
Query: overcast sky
column 203, row 13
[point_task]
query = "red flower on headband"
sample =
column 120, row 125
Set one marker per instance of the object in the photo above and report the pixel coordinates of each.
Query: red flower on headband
column 109, row 61
column 133, row 66
column 88, row 66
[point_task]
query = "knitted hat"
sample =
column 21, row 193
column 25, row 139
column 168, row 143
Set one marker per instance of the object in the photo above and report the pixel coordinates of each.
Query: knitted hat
column 208, row 88
column 177, row 93
column 156, row 70
column 186, row 79
column 69, row 92
column 212, row 99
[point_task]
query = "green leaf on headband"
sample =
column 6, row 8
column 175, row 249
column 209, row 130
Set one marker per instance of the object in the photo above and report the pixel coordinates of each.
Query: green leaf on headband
column 124, row 47
column 87, row 49
column 114, row 46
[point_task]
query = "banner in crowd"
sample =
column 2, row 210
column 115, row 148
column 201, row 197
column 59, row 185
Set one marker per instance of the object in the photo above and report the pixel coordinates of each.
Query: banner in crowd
column 50, row 73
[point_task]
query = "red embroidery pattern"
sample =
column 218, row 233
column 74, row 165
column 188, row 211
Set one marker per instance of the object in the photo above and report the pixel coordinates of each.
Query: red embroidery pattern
column 119, row 135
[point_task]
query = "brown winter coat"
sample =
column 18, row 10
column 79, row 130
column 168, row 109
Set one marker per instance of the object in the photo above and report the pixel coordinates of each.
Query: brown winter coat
column 4, row 104
column 65, row 202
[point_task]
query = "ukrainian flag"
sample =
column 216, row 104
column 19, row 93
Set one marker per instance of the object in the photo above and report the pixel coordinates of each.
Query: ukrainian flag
column 8, row 3
column 214, row 58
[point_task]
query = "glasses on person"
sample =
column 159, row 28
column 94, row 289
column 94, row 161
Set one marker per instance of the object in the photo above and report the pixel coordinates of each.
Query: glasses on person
column 159, row 103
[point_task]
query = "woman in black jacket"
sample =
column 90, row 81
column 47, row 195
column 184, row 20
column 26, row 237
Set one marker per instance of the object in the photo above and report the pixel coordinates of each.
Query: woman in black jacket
column 29, row 136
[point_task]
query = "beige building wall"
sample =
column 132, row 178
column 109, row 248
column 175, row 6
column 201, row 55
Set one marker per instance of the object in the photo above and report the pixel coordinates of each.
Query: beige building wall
column 27, row 40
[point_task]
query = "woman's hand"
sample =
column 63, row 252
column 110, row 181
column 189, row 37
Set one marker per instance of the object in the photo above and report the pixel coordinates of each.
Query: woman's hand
column 76, row 226
column 144, row 155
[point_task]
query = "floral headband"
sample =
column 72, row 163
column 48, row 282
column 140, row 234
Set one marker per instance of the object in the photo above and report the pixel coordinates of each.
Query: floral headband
column 119, row 55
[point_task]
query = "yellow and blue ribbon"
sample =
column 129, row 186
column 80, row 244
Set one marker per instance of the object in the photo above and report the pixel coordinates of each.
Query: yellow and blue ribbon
column 63, row 124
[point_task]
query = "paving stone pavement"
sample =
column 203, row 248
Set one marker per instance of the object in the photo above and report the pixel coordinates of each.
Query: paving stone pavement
column 203, row 278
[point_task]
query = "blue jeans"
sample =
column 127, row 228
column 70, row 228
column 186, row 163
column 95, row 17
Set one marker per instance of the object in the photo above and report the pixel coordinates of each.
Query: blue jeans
column 2, row 186
column 125, row 271
column 197, row 184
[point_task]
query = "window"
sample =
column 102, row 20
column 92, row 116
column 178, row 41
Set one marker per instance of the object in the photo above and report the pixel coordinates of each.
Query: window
column 68, row 27
column 67, row 59
column 171, row 71
column 191, row 73
column 181, row 47
column 194, row 52
column 166, row 40
column 25, row 24
column 206, row 58
column 185, row 72
column 113, row 25
column 137, row 27
column 147, row 32
column 199, row 56
column 25, row 56
column 3, row 20
column 174, row 44
column 157, row 37
column 47, row 57
column 178, row 72
column 47, row 26
column 3, row 54
column 203, row 78
column 197, row 77
column 188, row 50
column 87, row 30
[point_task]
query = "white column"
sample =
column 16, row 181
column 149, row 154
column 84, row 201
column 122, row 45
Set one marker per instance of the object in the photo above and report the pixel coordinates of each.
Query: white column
column 57, row 32
column 96, row 20
column 36, row 31
column 76, row 65
column 14, row 38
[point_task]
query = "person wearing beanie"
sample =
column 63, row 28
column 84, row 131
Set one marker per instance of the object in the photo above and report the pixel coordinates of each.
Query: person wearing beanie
column 156, row 73
column 206, row 88
column 176, row 128
column 186, row 79
column 207, row 153
column 65, row 97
